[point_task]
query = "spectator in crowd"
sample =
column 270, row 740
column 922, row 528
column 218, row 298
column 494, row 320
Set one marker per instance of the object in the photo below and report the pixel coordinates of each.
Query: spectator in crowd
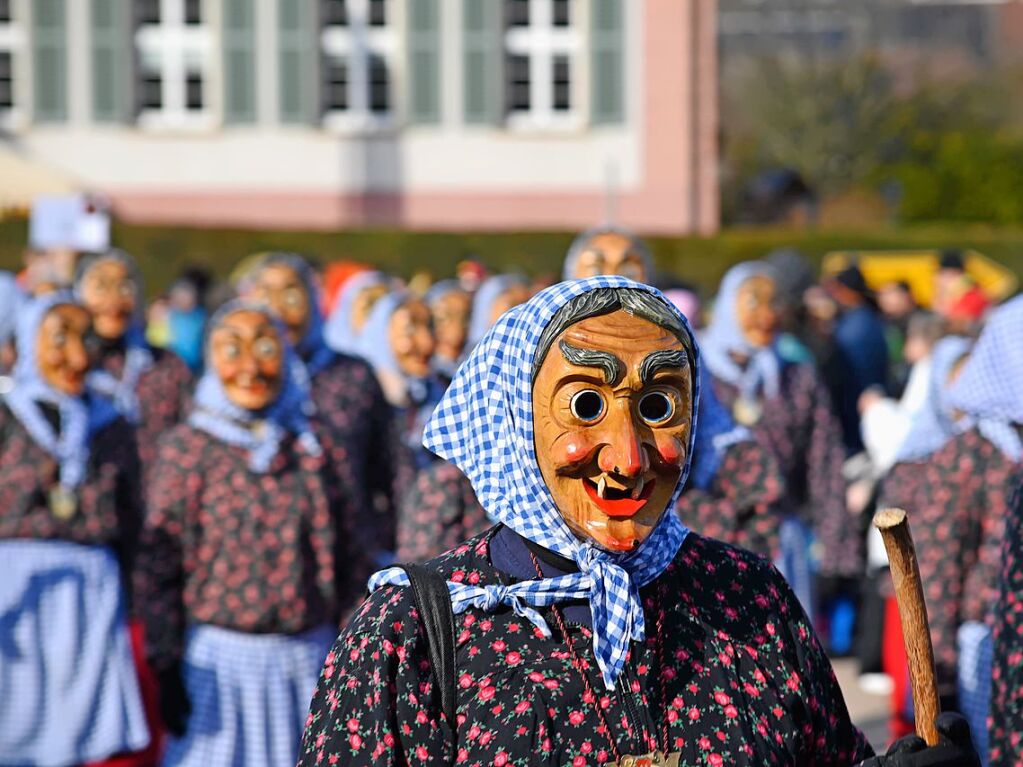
column 861, row 347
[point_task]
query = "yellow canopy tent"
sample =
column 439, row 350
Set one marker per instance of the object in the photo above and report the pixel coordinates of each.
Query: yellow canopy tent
column 918, row 267
column 25, row 178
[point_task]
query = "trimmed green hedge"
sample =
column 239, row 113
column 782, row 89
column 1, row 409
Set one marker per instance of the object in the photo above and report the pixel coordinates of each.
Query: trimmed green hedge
column 164, row 251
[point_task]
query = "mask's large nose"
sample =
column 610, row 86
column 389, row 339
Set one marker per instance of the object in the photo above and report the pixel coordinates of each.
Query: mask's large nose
column 624, row 452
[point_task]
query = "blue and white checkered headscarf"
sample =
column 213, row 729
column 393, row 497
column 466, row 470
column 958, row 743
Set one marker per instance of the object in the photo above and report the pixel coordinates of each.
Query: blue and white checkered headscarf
column 80, row 417
column 989, row 388
column 484, row 425
column 483, row 304
column 312, row 349
column 260, row 433
column 339, row 332
column 723, row 336
column 138, row 358
column 934, row 424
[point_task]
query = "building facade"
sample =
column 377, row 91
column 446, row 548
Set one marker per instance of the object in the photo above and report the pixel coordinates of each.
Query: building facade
column 424, row 114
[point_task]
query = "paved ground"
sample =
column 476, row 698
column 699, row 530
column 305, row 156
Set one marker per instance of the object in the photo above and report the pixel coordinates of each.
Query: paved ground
column 869, row 712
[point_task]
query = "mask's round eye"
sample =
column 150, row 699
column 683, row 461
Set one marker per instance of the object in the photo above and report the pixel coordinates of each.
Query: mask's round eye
column 587, row 405
column 656, row 407
column 265, row 348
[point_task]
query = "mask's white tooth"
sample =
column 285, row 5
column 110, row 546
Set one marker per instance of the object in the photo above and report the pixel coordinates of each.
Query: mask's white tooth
column 637, row 491
column 601, row 487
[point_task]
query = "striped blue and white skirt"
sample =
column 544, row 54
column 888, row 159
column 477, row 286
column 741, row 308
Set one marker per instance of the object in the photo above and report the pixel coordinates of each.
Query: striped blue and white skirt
column 794, row 560
column 250, row 696
column 976, row 648
column 69, row 691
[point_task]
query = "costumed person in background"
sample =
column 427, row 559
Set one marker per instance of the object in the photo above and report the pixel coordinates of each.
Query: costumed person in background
column 354, row 302
column 245, row 566
column 608, row 250
column 343, row 388
column 787, row 408
column 148, row 386
column 437, row 513
column 495, row 296
column 961, row 494
column 450, row 307
column 735, row 483
column 397, row 341
column 1005, row 724
column 981, row 472
column 909, row 484
column 11, row 302
column 70, row 511
column 592, row 627
column 440, row 508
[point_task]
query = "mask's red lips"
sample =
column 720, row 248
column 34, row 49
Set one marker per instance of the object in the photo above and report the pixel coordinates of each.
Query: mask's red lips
column 620, row 508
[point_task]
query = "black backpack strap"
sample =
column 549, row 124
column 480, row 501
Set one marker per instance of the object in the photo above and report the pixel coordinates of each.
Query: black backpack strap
column 433, row 602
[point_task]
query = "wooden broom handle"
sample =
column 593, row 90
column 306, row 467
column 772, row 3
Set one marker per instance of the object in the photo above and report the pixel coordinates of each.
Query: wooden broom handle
column 909, row 593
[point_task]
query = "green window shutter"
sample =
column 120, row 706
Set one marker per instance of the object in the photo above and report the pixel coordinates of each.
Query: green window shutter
column 299, row 52
column 424, row 61
column 483, row 61
column 608, row 81
column 240, row 61
column 49, row 60
column 111, row 61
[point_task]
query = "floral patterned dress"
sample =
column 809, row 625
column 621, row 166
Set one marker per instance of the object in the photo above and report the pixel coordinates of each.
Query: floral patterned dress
column 439, row 511
column 257, row 553
column 957, row 501
column 740, row 507
column 802, row 433
column 351, row 406
column 163, row 392
column 1005, row 725
column 109, row 509
column 730, row 673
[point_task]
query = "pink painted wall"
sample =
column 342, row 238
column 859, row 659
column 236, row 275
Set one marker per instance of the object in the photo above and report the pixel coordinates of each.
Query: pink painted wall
column 678, row 193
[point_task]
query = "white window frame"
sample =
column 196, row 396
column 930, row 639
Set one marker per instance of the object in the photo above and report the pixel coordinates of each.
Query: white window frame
column 355, row 43
column 12, row 40
column 174, row 44
column 541, row 41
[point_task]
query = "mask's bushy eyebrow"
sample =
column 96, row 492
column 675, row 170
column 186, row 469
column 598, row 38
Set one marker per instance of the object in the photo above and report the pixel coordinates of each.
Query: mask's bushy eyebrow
column 673, row 359
column 612, row 367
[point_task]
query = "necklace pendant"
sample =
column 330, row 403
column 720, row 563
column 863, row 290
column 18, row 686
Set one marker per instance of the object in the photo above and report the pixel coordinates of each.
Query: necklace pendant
column 747, row 412
column 63, row 503
column 653, row 759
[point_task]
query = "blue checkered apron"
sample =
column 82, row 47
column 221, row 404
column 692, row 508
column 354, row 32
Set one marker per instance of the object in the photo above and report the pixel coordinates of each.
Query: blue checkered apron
column 68, row 687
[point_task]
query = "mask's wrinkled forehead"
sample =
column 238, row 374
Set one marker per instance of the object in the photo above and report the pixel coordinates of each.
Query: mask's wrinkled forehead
column 484, row 423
